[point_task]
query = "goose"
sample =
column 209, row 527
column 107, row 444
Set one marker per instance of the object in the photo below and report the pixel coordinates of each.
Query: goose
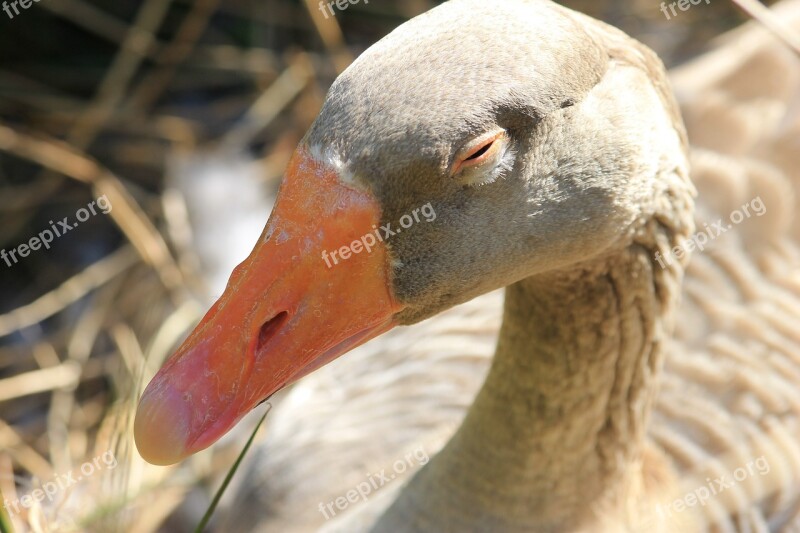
column 555, row 160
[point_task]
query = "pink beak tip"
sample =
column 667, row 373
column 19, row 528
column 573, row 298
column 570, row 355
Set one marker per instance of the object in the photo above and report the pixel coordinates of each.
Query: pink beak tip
column 161, row 427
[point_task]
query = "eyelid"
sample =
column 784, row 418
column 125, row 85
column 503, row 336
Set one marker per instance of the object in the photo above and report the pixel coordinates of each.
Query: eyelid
column 462, row 161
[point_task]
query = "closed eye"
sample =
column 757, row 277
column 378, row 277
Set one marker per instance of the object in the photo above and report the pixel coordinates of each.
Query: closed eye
column 482, row 150
column 483, row 159
column 479, row 151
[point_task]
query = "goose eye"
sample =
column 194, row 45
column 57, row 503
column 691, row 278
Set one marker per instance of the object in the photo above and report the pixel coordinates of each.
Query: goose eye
column 480, row 153
column 479, row 156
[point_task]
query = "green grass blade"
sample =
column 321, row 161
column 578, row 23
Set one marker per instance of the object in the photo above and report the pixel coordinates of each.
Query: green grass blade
column 5, row 520
column 212, row 507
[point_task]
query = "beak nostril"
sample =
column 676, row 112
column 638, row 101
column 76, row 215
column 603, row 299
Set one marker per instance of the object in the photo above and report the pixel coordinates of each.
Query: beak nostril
column 269, row 329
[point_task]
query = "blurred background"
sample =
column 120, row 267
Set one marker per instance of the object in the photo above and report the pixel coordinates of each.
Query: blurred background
column 162, row 127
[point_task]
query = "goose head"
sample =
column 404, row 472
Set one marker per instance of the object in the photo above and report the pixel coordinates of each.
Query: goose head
column 467, row 150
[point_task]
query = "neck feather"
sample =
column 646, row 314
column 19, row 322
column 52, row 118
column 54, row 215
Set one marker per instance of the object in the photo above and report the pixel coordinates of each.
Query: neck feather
column 556, row 437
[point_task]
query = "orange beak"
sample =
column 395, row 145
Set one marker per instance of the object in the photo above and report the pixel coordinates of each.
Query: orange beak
column 289, row 308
